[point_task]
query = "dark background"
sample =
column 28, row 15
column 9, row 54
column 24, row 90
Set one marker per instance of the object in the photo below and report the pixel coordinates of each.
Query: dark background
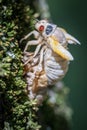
column 72, row 15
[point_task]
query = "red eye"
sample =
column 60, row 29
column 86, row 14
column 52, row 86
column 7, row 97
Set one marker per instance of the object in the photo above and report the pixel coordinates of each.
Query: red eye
column 41, row 28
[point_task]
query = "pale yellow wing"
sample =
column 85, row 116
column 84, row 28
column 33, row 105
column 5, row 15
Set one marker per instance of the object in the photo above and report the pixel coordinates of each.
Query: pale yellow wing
column 59, row 49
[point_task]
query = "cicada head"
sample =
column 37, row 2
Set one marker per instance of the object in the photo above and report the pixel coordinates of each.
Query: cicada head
column 41, row 25
column 45, row 28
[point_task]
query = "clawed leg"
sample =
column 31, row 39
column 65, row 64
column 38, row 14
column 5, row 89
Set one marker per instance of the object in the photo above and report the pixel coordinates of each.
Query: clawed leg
column 37, row 42
column 35, row 53
column 35, row 33
column 41, row 59
column 33, row 42
column 37, row 50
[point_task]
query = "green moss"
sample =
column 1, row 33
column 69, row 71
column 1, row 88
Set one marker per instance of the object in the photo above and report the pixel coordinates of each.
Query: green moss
column 17, row 108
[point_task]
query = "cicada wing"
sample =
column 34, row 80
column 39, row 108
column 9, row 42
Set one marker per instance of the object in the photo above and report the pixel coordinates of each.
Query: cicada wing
column 59, row 49
column 70, row 39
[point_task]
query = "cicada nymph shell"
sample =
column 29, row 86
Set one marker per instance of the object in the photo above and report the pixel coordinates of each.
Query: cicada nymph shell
column 52, row 70
column 36, row 78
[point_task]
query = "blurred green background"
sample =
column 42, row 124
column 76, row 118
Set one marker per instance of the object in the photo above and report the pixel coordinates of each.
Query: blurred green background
column 72, row 15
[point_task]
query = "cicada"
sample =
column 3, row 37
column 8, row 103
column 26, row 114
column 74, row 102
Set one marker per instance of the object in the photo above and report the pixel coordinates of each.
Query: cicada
column 49, row 62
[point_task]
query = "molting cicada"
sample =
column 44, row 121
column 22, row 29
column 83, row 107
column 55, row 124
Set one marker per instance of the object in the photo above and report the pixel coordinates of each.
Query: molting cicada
column 49, row 62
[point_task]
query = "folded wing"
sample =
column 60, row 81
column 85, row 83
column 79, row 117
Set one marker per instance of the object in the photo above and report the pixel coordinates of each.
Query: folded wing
column 59, row 49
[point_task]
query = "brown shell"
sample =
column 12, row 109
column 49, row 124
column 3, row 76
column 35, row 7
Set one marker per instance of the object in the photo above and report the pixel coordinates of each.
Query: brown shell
column 39, row 81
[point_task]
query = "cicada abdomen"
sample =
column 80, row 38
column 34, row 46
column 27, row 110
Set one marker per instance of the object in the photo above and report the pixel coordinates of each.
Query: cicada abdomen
column 55, row 67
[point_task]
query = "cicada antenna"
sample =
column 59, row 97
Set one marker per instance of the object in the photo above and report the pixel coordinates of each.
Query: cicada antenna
column 36, row 20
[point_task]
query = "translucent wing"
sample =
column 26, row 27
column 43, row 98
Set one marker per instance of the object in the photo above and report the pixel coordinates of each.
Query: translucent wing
column 59, row 49
column 70, row 39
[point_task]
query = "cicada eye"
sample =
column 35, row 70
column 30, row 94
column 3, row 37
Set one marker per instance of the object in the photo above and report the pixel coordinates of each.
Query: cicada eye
column 41, row 28
column 49, row 29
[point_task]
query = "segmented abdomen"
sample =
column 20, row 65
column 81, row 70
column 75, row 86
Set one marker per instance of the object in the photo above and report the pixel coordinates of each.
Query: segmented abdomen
column 55, row 67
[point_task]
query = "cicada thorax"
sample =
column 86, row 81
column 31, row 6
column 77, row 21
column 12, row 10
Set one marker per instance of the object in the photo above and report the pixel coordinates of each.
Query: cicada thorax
column 59, row 36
